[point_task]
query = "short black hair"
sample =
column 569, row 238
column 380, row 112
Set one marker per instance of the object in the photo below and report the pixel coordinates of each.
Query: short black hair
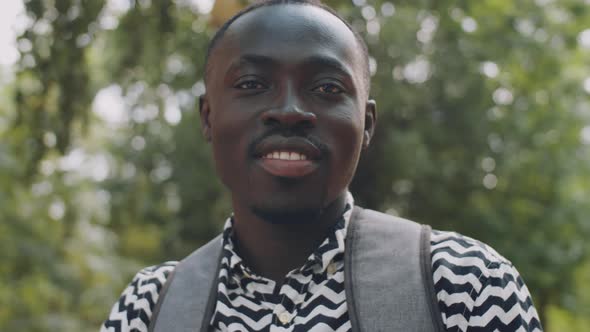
column 265, row 3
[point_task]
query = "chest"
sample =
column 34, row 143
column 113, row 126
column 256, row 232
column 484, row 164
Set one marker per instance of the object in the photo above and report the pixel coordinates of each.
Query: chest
column 387, row 282
column 314, row 299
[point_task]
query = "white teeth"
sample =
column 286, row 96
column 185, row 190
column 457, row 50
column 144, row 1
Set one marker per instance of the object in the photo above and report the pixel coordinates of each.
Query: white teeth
column 285, row 155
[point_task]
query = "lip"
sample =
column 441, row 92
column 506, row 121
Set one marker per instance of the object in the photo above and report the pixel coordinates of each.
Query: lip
column 288, row 168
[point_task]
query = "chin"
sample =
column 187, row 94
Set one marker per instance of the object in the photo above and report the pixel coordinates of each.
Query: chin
column 287, row 215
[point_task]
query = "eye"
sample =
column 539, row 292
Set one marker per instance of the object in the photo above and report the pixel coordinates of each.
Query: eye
column 329, row 88
column 250, row 85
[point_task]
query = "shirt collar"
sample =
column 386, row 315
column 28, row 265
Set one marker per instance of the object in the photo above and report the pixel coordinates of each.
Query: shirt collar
column 318, row 261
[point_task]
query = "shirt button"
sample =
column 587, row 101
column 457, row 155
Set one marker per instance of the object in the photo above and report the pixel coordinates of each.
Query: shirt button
column 285, row 317
column 332, row 268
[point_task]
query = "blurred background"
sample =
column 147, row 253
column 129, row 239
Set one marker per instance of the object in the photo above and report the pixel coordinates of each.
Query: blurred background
column 484, row 128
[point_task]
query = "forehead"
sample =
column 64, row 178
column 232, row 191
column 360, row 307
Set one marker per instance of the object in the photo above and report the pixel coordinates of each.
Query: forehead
column 289, row 34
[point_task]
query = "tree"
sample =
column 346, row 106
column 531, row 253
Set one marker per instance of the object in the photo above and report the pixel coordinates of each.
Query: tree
column 480, row 113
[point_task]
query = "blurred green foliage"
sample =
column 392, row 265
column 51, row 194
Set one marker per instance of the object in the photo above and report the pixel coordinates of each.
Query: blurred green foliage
column 482, row 128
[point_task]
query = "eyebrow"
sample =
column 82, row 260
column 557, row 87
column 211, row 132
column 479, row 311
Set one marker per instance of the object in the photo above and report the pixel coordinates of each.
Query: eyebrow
column 254, row 59
column 318, row 61
column 330, row 62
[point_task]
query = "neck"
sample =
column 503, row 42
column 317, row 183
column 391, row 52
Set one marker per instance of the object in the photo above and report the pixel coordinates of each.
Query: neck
column 273, row 250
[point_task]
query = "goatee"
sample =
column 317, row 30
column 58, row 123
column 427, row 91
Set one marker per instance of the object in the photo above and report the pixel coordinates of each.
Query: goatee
column 278, row 216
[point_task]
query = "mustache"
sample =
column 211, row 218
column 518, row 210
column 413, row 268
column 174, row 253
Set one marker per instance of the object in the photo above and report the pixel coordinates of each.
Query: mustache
column 287, row 132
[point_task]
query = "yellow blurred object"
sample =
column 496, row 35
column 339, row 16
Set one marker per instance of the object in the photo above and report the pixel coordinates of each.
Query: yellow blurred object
column 224, row 9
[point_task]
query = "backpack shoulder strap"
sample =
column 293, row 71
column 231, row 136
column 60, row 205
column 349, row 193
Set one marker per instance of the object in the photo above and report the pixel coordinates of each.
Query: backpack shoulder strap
column 189, row 296
column 388, row 274
column 428, row 278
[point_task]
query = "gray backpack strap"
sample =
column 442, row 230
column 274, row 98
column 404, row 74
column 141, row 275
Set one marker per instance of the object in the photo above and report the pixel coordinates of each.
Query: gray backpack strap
column 188, row 298
column 385, row 267
column 428, row 278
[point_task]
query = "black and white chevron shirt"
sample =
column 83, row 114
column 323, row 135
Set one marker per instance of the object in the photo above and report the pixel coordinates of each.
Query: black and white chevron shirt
column 477, row 290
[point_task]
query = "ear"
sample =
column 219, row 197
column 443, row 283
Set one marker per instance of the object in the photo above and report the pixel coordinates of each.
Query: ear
column 205, row 111
column 370, row 121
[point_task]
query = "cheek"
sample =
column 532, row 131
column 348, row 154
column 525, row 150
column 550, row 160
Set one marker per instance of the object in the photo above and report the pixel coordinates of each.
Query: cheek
column 346, row 143
column 229, row 141
column 348, row 132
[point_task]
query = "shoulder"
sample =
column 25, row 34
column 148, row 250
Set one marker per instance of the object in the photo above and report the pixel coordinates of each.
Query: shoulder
column 462, row 254
column 133, row 310
column 477, row 287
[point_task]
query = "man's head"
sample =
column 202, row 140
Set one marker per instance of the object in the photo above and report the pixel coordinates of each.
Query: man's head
column 286, row 108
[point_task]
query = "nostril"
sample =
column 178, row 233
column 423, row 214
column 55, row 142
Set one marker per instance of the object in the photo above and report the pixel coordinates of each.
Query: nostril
column 308, row 123
column 270, row 121
column 308, row 118
column 270, row 118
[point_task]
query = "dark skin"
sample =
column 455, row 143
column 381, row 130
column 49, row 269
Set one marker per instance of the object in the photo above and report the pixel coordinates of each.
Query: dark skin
column 286, row 78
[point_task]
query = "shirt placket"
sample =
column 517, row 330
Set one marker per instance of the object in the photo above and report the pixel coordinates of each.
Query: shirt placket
column 291, row 296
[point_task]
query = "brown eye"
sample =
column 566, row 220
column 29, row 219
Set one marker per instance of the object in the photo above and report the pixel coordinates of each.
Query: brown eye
column 250, row 85
column 329, row 88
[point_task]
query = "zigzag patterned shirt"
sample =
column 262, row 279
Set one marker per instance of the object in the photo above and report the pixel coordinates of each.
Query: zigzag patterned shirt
column 477, row 290
column 310, row 299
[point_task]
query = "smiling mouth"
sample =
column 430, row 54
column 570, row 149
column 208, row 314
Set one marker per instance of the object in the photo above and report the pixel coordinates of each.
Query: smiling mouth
column 286, row 155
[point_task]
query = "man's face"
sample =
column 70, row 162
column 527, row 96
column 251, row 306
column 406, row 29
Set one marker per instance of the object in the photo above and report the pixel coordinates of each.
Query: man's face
column 286, row 110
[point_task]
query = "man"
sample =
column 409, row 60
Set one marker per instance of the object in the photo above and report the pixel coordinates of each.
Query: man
column 287, row 113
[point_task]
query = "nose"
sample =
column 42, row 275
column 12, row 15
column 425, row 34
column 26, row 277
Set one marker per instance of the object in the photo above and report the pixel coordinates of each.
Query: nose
column 289, row 114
